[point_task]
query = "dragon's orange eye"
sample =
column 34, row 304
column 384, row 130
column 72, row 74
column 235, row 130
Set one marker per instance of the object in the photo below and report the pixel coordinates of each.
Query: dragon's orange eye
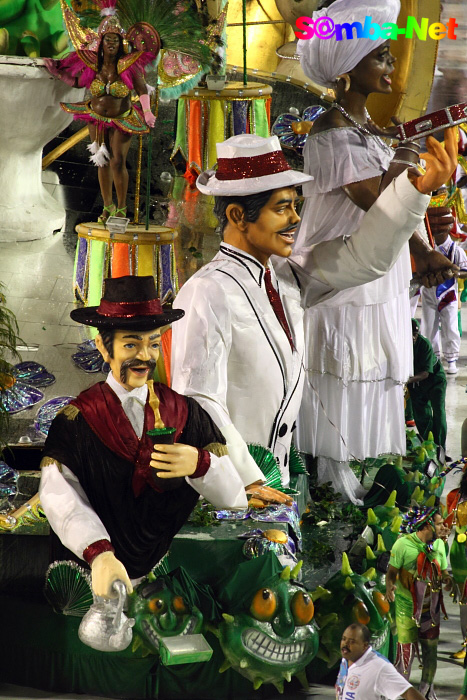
column 302, row 608
column 264, row 605
column 361, row 614
column 157, row 606
column 178, row 605
column 380, row 602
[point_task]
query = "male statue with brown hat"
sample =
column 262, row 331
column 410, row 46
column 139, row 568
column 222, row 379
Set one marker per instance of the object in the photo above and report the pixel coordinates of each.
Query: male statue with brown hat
column 113, row 497
column 239, row 348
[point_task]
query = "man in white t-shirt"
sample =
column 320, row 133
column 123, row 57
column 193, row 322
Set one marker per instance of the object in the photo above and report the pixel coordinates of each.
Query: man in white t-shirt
column 366, row 675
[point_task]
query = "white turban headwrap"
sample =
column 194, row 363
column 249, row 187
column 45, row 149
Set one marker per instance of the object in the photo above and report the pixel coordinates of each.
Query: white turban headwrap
column 323, row 60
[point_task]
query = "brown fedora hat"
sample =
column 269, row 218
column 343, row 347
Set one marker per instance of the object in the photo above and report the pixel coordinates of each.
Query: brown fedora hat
column 128, row 302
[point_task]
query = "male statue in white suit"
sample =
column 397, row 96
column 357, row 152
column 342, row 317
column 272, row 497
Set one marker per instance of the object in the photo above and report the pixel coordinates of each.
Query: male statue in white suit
column 239, row 348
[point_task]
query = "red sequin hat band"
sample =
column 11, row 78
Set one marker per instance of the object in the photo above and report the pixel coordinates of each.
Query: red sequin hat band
column 128, row 309
column 251, row 166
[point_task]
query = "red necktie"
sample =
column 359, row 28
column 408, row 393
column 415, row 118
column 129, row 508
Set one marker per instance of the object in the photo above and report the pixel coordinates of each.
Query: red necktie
column 276, row 304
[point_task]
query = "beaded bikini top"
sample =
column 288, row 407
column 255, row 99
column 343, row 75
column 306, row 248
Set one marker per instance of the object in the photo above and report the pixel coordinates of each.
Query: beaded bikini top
column 116, row 89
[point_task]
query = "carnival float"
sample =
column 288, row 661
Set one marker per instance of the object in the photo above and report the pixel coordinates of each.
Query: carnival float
column 244, row 602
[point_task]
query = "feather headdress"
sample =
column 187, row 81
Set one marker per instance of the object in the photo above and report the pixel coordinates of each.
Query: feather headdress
column 417, row 517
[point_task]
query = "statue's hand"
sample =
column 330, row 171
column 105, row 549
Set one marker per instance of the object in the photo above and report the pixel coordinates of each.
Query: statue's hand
column 268, row 495
column 440, row 162
column 434, row 268
column 105, row 570
column 172, row 461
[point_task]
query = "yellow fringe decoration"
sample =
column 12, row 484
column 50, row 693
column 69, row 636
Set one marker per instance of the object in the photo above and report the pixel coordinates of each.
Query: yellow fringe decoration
column 217, row 449
column 47, row 461
column 69, row 411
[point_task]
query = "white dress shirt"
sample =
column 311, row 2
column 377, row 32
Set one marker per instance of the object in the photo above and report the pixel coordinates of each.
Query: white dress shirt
column 133, row 402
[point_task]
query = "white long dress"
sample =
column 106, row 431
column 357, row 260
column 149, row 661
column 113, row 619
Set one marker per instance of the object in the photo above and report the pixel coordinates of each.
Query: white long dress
column 358, row 344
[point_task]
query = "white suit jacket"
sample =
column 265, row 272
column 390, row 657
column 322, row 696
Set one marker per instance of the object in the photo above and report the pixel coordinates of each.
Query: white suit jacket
column 229, row 351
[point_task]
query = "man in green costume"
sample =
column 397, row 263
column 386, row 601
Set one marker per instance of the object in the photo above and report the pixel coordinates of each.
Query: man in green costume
column 417, row 569
column 427, row 389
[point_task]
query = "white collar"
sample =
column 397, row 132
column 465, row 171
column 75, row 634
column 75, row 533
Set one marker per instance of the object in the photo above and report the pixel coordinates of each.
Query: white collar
column 250, row 263
column 140, row 392
column 446, row 247
column 363, row 658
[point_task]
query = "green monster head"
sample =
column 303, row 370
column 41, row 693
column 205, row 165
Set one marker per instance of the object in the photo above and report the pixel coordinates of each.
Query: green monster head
column 349, row 598
column 426, row 465
column 430, row 446
column 385, row 521
column 158, row 612
column 272, row 635
column 376, row 560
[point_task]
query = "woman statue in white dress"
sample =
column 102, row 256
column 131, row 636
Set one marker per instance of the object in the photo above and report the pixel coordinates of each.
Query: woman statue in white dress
column 359, row 343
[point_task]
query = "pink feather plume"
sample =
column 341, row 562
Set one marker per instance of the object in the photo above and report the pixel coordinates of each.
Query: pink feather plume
column 108, row 7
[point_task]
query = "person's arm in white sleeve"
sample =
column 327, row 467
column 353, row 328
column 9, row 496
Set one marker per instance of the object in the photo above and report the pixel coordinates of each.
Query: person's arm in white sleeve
column 67, row 508
column 78, row 527
column 389, row 223
column 201, row 343
column 240, row 456
column 390, row 684
column 221, row 485
column 369, row 252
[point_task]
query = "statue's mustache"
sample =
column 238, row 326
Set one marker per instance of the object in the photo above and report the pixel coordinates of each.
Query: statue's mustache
column 291, row 227
column 128, row 364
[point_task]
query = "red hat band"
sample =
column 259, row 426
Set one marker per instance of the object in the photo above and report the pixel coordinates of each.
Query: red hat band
column 128, row 309
column 251, row 166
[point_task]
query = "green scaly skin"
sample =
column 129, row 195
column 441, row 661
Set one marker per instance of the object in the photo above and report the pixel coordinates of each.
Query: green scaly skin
column 32, row 28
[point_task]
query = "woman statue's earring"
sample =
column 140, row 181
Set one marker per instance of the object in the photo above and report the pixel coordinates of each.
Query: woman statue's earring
column 346, row 78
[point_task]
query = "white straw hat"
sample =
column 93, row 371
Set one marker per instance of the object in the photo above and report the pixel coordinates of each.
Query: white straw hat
column 248, row 164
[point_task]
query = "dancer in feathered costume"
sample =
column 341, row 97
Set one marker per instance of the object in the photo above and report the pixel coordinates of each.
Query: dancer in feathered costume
column 110, row 62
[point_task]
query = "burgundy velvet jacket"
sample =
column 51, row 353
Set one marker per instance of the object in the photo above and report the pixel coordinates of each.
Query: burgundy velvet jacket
column 101, row 448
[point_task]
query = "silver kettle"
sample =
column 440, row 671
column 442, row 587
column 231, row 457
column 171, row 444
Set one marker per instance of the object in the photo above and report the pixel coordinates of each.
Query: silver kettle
column 105, row 626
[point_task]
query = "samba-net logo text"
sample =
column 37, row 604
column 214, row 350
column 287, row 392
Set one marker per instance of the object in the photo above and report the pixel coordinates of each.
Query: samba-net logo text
column 325, row 28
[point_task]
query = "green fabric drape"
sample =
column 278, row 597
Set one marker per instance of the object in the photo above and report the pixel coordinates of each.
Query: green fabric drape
column 181, row 144
column 195, row 594
column 239, row 585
